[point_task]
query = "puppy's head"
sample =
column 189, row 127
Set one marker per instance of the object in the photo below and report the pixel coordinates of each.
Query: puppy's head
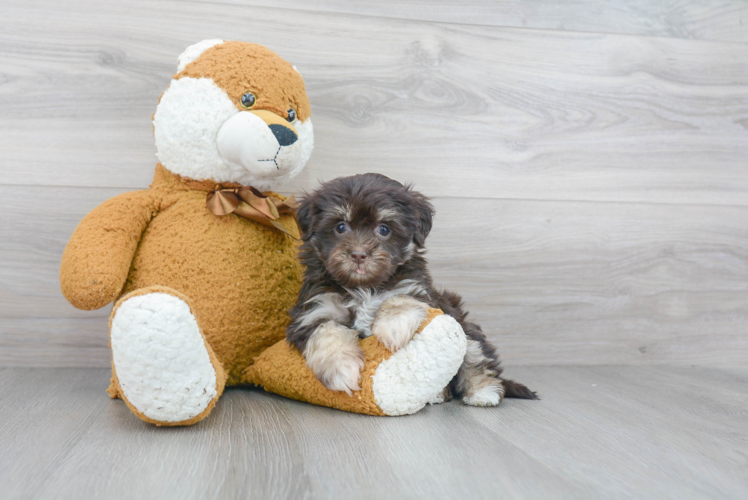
column 361, row 228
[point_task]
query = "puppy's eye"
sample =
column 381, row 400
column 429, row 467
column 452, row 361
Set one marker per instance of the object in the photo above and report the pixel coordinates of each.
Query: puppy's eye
column 383, row 230
column 291, row 115
column 341, row 228
column 248, row 100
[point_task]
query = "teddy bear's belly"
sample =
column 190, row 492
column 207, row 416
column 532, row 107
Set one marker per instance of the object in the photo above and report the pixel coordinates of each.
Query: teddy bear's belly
column 241, row 277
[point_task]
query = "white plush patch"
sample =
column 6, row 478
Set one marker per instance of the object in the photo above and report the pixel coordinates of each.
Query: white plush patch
column 418, row 372
column 160, row 358
column 334, row 355
column 195, row 115
column 489, row 395
column 246, row 143
column 397, row 320
column 194, row 51
column 258, row 154
column 187, row 119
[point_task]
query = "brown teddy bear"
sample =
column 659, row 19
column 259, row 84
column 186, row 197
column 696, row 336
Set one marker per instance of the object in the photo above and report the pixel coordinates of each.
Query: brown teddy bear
column 202, row 265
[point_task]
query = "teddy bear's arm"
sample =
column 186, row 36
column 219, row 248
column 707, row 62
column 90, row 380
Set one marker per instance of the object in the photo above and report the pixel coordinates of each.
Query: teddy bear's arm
column 97, row 259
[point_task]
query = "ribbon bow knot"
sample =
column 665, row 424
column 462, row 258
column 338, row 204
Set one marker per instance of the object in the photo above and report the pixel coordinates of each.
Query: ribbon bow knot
column 251, row 204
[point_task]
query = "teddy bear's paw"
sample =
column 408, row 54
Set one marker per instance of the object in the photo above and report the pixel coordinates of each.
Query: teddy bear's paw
column 397, row 320
column 334, row 355
column 160, row 358
column 418, row 373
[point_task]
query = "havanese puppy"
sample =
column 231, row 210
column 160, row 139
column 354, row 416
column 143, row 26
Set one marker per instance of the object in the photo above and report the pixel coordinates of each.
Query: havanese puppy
column 363, row 248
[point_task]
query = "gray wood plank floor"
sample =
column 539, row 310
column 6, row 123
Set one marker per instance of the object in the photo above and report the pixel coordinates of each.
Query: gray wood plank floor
column 598, row 432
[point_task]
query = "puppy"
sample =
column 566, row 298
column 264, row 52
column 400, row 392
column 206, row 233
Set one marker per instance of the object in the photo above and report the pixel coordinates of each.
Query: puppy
column 363, row 248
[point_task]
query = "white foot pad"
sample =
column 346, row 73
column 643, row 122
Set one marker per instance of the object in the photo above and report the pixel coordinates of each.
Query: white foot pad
column 418, row 372
column 160, row 358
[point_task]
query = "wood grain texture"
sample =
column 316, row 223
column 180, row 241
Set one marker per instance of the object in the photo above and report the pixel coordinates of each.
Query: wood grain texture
column 598, row 432
column 592, row 198
column 591, row 187
column 706, row 20
column 550, row 282
column 469, row 111
column 38, row 327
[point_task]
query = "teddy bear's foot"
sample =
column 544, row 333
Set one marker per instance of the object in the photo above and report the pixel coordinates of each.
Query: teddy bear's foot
column 397, row 383
column 163, row 368
column 418, row 372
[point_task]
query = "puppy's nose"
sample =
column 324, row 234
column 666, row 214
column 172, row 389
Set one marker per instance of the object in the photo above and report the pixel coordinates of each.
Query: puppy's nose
column 285, row 135
column 358, row 257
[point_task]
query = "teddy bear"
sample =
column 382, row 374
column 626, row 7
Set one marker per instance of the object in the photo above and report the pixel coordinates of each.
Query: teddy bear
column 202, row 266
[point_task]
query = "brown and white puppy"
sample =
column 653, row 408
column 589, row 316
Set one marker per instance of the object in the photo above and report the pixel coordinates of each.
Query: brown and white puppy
column 366, row 275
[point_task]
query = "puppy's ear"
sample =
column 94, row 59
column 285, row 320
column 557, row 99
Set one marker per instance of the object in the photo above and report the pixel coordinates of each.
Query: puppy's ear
column 306, row 216
column 424, row 212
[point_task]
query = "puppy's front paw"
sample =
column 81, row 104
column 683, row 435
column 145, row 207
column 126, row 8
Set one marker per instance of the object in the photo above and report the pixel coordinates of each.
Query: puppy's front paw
column 397, row 320
column 335, row 357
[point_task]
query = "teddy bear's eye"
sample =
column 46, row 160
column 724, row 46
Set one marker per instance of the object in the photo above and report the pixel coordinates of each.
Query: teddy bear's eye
column 291, row 115
column 248, row 100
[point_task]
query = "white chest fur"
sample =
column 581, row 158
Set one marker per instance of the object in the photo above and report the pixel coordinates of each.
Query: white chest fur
column 364, row 303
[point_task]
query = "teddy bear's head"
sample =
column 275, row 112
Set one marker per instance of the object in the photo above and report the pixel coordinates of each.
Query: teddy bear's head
column 234, row 112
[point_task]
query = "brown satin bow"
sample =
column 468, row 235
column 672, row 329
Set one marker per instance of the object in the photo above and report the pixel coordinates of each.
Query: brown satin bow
column 248, row 202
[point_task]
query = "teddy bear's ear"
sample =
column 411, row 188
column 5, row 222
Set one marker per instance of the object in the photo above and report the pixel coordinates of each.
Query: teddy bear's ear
column 306, row 216
column 424, row 212
column 193, row 52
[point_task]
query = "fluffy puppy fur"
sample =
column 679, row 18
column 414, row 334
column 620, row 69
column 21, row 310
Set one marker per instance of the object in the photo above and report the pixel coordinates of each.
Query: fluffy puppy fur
column 366, row 275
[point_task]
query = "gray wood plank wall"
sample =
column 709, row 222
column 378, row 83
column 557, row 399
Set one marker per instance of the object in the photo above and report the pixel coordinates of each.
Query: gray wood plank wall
column 588, row 160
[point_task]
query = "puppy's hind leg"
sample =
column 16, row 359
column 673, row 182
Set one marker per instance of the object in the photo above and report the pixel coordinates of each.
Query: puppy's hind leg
column 443, row 396
column 478, row 380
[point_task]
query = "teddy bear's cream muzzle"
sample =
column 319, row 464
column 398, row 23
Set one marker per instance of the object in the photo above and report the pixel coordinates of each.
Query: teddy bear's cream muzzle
column 259, row 141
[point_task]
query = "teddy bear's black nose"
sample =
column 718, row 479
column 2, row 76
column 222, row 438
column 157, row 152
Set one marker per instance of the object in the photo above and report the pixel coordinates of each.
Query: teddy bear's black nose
column 285, row 135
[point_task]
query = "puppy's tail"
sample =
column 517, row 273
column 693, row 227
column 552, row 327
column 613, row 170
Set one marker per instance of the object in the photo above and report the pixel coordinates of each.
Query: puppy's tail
column 514, row 389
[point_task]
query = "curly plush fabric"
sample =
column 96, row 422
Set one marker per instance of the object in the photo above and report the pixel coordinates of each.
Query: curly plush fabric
column 166, row 372
column 236, row 72
column 423, row 365
column 241, row 277
column 201, row 300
